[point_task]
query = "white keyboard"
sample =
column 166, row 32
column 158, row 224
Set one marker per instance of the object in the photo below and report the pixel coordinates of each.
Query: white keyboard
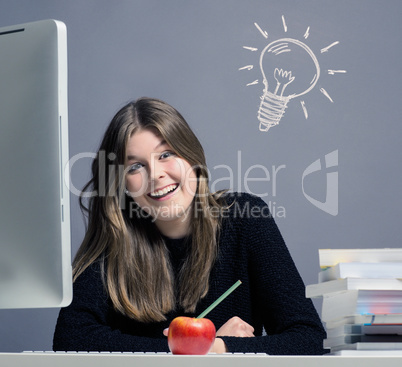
column 100, row 359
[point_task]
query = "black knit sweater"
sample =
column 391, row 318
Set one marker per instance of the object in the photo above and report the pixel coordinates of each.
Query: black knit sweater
column 271, row 297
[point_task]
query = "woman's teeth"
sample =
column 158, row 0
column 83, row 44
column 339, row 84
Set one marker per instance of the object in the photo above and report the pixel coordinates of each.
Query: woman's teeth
column 164, row 191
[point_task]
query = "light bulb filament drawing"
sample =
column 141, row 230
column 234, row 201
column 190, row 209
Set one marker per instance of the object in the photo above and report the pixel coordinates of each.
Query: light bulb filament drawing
column 283, row 78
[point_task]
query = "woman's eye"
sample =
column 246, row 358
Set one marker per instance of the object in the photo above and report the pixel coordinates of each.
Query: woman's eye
column 167, row 154
column 135, row 167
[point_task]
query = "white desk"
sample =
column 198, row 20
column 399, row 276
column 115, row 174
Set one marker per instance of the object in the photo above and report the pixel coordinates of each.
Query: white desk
column 168, row 360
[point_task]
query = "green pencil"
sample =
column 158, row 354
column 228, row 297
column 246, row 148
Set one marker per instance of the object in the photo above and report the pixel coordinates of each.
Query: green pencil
column 219, row 300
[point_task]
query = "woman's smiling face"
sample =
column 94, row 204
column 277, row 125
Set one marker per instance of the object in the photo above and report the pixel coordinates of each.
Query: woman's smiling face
column 160, row 182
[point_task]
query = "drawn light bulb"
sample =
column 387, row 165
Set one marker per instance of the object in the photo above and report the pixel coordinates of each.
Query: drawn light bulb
column 289, row 69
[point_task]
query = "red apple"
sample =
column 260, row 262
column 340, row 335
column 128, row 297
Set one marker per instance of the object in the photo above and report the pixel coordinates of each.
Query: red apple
column 189, row 335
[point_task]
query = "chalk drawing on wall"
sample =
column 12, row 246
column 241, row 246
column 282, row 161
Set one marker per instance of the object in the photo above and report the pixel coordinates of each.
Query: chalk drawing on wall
column 289, row 69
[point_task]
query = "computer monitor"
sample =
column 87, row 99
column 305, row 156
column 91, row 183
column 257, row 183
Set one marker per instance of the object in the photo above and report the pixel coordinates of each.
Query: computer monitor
column 35, row 246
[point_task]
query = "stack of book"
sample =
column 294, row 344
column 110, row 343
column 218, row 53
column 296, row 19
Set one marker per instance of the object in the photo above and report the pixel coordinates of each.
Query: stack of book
column 361, row 292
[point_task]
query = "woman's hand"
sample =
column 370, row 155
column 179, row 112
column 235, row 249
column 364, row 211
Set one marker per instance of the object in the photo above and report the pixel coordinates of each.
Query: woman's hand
column 218, row 347
column 233, row 327
column 236, row 327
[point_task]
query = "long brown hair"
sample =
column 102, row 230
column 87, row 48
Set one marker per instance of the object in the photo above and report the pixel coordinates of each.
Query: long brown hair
column 132, row 253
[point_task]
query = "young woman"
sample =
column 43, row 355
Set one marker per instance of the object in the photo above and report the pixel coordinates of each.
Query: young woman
column 160, row 245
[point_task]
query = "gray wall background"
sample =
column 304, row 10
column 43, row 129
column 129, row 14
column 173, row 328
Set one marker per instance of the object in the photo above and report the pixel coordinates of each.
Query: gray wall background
column 188, row 52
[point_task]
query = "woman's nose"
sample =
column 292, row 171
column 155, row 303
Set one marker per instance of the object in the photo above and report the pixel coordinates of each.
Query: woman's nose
column 156, row 171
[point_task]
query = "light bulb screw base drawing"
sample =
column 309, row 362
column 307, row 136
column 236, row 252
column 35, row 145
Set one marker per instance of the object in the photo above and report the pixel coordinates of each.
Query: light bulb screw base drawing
column 272, row 108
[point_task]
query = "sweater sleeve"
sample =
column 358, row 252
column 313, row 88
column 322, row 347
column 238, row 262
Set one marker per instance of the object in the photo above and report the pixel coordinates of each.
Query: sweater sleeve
column 290, row 320
column 83, row 325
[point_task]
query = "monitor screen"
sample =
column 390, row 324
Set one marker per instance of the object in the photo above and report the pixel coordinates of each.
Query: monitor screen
column 35, row 246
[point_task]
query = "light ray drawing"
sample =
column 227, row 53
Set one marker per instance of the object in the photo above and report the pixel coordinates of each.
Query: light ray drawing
column 289, row 70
